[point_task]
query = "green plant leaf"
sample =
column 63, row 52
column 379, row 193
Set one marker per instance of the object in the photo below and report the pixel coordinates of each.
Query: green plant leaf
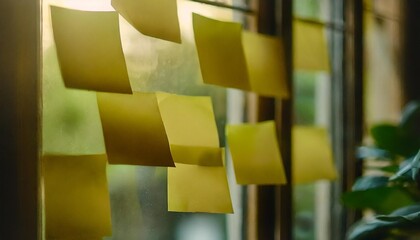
column 387, row 169
column 368, row 182
column 403, row 174
column 390, row 168
column 412, row 168
column 364, row 152
column 406, row 210
column 383, row 200
column 378, row 229
column 395, row 139
column 364, row 230
column 386, row 136
column 410, row 118
column 405, row 219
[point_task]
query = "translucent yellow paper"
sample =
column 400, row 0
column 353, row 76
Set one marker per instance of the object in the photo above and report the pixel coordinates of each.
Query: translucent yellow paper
column 194, row 188
column 220, row 52
column 191, row 128
column 76, row 197
column 89, row 50
column 311, row 155
column 133, row 129
column 310, row 50
column 266, row 66
column 255, row 153
column 204, row 156
column 156, row 18
column 189, row 120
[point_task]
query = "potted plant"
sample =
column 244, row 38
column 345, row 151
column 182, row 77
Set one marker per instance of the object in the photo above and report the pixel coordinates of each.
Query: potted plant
column 391, row 185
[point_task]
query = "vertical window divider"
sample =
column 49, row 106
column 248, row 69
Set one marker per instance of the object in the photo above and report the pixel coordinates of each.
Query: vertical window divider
column 20, row 45
column 274, row 204
column 348, row 121
column 285, row 121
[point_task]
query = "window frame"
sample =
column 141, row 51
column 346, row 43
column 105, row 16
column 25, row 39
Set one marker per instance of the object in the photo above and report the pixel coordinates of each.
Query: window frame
column 348, row 122
column 274, row 203
column 20, row 45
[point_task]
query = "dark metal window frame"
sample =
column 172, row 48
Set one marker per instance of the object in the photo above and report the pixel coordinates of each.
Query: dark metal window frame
column 348, row 121
column 20, row 46
column 275, row 203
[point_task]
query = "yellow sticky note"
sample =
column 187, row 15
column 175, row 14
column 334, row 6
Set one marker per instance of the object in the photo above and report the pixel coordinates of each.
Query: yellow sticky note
column 220, row 52
column 77, row 202
column 189, row 120
column 157, row 18
column 310, row 49
column 203, row 156
column 255, row 153
column 194, row 188
column 133, row 129
column 191, row 128
column 311, row 155
column 89, row 50
column 266, row 64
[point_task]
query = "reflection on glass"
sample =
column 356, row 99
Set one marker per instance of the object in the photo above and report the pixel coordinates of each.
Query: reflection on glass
column 303, row 194
column 318, row 10
column 311, row 108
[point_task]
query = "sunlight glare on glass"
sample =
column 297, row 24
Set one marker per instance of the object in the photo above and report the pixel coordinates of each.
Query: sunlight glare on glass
column 86, row 5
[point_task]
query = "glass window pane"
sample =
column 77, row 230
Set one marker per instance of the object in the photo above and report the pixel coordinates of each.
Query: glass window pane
column 318, row 10
column 139, row 194
column 312, row 107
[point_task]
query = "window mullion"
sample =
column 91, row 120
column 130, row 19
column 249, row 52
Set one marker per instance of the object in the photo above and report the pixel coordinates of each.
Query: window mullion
column 19, row 109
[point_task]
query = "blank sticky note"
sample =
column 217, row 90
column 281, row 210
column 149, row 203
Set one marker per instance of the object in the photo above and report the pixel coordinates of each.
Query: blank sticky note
column 266, row 64
column 157, row 18
column 310, row 49
column 220, row 52
column 133, row 129
column 89, row 50
column 255, row 153
column 77, row 202
column 203, row 156
column 191, row 127
column 311, row 155
column 193, row 188
column 189, row 120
